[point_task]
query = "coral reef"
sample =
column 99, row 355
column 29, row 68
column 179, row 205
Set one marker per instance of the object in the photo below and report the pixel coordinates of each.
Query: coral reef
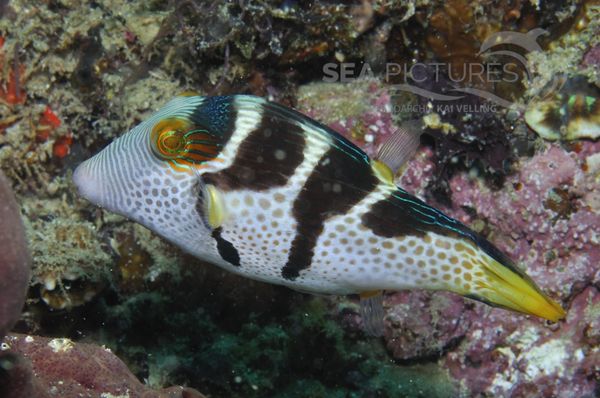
column 546, row 216
column 441, row 326
column 59, row 367
column 145, row 261
column 271, row 41
column 71, row 265
column 11, row 86
column 567, row 55
column 520, row 358
column 361, row 111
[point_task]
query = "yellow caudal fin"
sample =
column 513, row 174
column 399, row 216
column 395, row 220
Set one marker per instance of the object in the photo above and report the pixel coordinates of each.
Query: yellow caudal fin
column 501, row 286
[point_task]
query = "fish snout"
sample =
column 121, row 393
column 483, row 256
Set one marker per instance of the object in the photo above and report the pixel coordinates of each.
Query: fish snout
column 87, row 183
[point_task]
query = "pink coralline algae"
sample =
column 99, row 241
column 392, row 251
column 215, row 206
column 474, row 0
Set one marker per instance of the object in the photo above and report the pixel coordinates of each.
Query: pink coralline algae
column 505, row 355
column 592, row 57
column 544, row 217
column 439, row 326
column 61, row 368
column 367, row 121
column 14, row 259
column 547, row 218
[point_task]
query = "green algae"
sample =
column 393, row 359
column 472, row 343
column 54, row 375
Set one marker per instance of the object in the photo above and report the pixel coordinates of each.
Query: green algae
column 305, row 353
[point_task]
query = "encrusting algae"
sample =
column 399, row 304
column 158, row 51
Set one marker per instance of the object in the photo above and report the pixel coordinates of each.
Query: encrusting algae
column 71, row 265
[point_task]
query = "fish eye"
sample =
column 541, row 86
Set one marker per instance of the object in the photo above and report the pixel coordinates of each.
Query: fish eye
column 170, row 143
column 183, row 144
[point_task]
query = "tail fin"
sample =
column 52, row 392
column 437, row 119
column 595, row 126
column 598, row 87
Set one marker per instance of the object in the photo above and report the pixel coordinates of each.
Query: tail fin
column 501, row 286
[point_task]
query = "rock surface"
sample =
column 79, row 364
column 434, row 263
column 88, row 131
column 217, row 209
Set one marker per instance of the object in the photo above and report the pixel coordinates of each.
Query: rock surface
column 14, row 259
column 546, row 217
column 43, row 367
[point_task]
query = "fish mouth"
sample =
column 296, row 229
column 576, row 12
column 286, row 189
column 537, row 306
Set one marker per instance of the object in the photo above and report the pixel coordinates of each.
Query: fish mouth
column 87, row 185
column 504, row 288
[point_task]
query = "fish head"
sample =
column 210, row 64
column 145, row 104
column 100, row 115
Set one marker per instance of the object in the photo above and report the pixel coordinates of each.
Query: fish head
column 151, row 173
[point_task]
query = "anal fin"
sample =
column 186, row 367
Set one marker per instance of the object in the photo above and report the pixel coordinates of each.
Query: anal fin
column 371, row 311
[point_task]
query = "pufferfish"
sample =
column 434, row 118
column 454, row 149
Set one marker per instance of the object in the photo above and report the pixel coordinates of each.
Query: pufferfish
column 270, row 194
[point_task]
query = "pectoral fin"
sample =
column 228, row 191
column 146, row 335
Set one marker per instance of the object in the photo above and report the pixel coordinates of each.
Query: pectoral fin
column 215, row 211
column 211, row 205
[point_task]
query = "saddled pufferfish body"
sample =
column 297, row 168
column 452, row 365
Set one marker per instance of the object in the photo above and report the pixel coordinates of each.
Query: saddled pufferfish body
column 268, row 193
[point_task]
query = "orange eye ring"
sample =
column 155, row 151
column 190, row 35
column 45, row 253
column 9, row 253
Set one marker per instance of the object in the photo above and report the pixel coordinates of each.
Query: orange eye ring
column 183, row 144
column 170, row 143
